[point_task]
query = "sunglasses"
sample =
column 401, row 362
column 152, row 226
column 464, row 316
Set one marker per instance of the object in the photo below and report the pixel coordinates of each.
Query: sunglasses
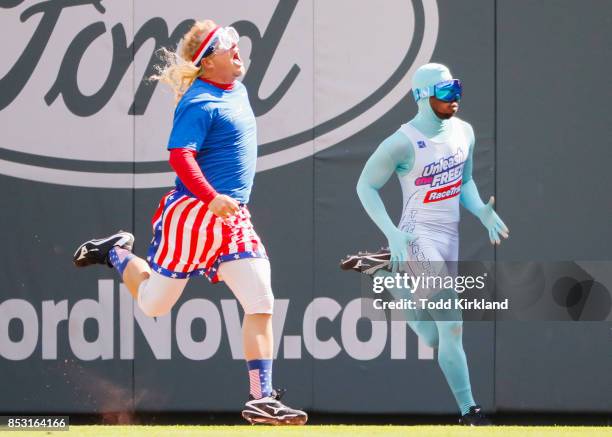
column 220, row 40
column 225, row 38
column 447, row 91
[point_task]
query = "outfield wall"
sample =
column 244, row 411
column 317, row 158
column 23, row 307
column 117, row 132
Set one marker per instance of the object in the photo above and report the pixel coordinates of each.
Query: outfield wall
column 82, row 154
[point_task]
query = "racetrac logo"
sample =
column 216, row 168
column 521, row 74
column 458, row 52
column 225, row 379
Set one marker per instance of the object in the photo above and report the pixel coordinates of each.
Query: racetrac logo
column 443, row 193
column 77, row 107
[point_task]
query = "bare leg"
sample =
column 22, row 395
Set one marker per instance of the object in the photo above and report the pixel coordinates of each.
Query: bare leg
column 257, row 336
column 136, row 271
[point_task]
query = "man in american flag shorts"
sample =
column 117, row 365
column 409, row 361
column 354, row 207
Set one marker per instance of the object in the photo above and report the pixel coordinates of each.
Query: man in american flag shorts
column 203, row 227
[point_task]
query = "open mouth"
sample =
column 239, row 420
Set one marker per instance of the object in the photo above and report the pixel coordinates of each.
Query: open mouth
column 236, row 59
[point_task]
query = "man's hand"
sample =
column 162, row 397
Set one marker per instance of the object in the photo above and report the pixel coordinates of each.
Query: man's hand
column 490, row 220
column 223, row 206
column 398, row 245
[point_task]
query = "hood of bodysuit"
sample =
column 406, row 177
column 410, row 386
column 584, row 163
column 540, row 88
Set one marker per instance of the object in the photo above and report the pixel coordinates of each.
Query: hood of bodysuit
column 425, row 76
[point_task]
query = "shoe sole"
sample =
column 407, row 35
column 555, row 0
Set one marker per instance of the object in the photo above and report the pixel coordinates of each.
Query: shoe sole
column 255, row 419
column 79, row 258
column 353, row 261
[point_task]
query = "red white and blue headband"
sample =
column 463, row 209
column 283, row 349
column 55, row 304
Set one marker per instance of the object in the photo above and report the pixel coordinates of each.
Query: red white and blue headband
column 206, row 48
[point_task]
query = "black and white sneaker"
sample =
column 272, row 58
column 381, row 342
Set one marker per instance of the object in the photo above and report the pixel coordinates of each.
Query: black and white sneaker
column 271, row 411
column 475, row 417
column 366, row 262
column 96, row 251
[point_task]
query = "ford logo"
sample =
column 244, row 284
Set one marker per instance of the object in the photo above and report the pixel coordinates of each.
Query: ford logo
column 77, row 108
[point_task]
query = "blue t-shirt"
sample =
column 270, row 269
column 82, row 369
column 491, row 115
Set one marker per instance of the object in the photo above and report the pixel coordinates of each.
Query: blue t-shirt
column 220, row 126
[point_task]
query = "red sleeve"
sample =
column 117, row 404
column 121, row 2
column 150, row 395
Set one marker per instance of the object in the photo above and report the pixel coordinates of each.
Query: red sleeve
column 184, row 164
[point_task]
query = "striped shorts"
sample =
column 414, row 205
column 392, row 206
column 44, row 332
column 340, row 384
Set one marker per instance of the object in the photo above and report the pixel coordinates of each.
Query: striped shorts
column 189, row 240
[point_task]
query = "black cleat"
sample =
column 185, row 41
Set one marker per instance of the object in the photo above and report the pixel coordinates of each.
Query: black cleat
column 475, row 417
column 271, row 411
column 366, row 262
column 96, row 251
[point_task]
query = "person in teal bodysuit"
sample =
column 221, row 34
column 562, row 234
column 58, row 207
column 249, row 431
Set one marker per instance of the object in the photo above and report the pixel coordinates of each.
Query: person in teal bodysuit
column 396, row 154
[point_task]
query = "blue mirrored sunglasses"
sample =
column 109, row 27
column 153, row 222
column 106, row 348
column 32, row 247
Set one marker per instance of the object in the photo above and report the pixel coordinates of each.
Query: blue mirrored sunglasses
column 447, row 91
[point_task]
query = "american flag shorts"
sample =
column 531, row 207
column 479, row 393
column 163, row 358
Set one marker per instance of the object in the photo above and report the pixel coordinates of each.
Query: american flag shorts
column 189, row 240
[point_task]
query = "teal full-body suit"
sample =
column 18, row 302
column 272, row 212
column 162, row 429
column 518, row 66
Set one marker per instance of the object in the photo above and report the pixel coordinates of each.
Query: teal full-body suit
column 396, row 154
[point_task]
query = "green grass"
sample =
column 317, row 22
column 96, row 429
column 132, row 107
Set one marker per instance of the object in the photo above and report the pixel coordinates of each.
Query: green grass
column 321, row 431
